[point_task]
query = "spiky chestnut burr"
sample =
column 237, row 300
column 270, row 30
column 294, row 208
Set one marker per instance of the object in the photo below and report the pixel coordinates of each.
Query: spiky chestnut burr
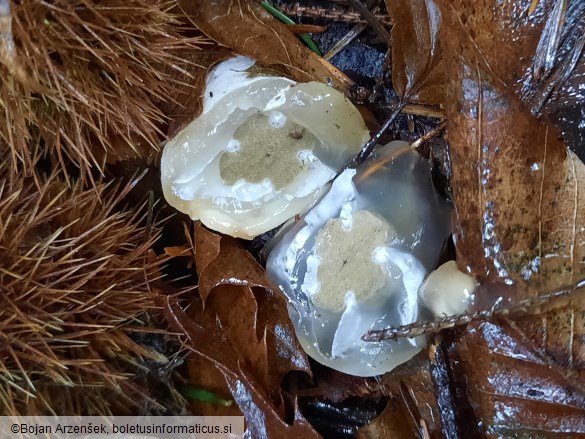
column 85, row 78
column 75, row 278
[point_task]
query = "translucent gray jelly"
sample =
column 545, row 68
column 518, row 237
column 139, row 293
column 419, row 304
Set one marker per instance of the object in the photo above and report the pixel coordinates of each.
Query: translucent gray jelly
column 356, row 260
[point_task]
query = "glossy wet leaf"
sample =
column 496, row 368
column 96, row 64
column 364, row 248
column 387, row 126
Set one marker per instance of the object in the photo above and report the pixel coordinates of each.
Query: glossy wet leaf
column 241, row 326
column 516, row 387
column 391, row 423
column 519, row 210
column 507, row 35
column 421, row 403
column 417, row 70
column 249, row 30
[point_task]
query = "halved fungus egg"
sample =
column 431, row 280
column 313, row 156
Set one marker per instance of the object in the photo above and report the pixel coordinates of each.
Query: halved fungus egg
column 356, row 261
column 262, row 150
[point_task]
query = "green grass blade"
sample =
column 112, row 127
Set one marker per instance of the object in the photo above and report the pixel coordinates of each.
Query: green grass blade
column 287, row 20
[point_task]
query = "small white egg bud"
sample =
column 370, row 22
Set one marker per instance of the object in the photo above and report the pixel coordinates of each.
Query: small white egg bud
column 447, row 291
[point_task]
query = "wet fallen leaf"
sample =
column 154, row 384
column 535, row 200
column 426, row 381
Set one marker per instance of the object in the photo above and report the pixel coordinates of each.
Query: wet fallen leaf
column 420, row 402
column 391, row 423
column 507, row 37
column 519, row 215
column 515, row 387
column 337, row 386
column 262, row 415
column 417, row 70
column 241, row 325
column 518, row 209
column 249, row 30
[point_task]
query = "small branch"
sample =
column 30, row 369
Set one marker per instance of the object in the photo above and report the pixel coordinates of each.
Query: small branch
column 351, row 35
column 422, row 110
column 347, row 38
column 329, row 14
column 306, row 28
column 499, row 308
column 370, row 144
column 426, row 137
column 372, row 20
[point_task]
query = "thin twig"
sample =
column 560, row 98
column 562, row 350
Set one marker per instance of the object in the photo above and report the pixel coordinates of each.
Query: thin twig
column 497, row 309
column 427, row 136
column 347, row 38
column 351, row 35
column 330, row 14
column 423, row 110
column 305, row 28
column 372, row 20
column 370, row 144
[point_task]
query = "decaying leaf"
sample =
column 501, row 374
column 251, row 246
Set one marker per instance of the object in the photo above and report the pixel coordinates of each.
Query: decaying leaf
column 241, row 325
column 507, row 36
column 515, row 385
column 249, row 30
column 421, row 403
column 337, row 386
column 519, row 210
column 411, row 390
column 519, row 222
column 417, row 71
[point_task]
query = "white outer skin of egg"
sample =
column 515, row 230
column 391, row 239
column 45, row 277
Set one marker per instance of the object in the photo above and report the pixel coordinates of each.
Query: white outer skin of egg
column 190, row 165
column 447, row 291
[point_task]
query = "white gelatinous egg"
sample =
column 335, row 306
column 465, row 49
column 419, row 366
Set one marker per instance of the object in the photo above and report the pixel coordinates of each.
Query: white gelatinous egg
column 356, row 261
column 447, row 291
column 261, row 151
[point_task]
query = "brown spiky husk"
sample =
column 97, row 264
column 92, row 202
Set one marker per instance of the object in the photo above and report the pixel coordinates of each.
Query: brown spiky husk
column 75, row 288
column 76, row 74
